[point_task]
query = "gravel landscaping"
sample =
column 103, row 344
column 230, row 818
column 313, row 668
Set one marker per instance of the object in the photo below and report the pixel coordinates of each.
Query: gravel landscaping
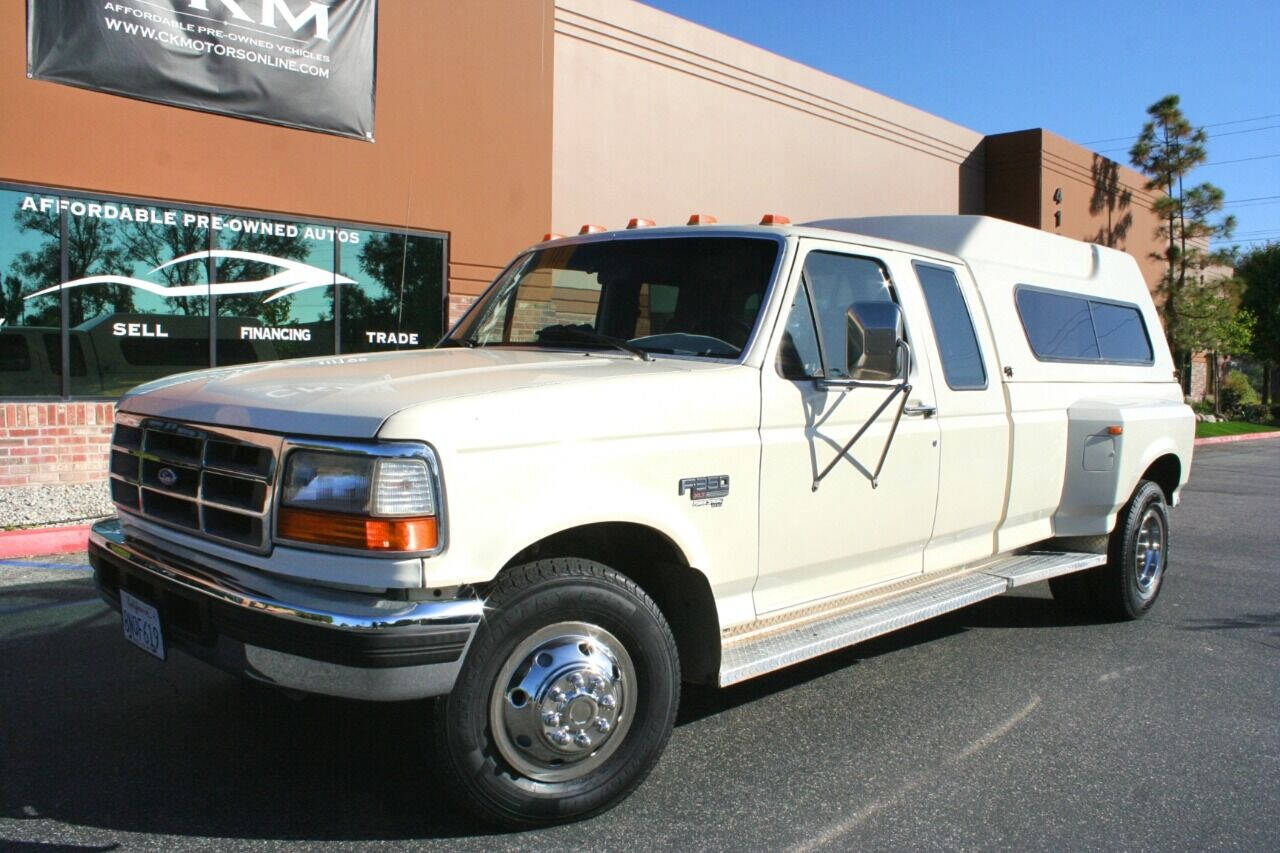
column 53, row 503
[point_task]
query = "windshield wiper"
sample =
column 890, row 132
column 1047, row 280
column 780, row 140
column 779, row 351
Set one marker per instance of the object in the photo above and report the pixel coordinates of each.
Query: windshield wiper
column 551, row 333
column 459, row 342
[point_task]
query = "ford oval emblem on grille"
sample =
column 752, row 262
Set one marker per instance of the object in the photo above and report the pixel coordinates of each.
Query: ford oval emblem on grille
column 167, row 477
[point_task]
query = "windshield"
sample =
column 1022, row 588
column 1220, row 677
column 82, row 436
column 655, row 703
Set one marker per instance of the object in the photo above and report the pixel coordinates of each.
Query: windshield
column 688, row 296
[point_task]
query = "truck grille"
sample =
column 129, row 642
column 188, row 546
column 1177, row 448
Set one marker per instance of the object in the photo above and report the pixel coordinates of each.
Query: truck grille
column 208, row 481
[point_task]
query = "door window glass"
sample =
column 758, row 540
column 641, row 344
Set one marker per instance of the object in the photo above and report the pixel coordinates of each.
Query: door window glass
column 836, row 282
column 798, row 355
column 952, row 328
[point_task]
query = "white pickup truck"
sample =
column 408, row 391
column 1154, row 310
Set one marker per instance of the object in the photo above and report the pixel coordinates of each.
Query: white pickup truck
column 698, row 453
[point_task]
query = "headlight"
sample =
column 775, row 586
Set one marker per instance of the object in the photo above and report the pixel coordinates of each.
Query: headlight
column 358, row 501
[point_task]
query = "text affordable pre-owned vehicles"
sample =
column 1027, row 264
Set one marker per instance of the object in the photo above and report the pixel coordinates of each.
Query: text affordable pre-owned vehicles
column 661, row 454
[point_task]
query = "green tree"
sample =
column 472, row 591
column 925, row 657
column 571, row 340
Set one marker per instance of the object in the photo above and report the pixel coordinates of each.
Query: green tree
column 1259, row 270
column 1167, row 150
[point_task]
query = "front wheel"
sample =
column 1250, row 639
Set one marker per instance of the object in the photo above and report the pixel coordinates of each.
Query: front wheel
column 567, row 696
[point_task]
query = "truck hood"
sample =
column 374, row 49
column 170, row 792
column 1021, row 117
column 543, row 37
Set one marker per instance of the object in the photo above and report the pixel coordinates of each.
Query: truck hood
column 350, row 396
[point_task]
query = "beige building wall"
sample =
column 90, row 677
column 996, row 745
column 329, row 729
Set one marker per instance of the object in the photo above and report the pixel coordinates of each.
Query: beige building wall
column 654, row 116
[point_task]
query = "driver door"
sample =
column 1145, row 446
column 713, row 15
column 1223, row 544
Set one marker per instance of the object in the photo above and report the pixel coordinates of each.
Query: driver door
column 848, row 533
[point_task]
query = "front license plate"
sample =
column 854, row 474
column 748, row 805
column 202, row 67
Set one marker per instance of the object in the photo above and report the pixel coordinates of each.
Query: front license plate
column 141, row 625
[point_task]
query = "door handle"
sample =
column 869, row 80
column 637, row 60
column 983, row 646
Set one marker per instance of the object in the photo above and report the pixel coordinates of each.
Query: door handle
column 919, row 410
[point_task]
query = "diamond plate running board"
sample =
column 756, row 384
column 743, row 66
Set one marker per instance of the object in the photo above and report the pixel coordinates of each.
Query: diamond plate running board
column 1042, row 565
column 816, row 637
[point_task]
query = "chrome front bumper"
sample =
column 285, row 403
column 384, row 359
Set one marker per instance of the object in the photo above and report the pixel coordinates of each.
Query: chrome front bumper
column 287, row 634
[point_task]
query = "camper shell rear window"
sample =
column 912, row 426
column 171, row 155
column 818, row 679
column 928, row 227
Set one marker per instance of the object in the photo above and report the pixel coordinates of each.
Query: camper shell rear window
column 1063, row 326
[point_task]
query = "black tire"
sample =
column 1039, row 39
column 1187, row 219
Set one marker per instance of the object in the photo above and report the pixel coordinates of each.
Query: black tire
column 548, row 621
column 1128, row 584
column 1138, row 556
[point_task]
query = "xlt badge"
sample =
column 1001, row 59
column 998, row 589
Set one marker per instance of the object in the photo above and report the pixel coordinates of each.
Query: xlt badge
column 704, row 491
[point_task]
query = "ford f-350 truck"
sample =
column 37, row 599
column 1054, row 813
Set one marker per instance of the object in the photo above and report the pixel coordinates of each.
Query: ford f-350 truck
column 649, row 456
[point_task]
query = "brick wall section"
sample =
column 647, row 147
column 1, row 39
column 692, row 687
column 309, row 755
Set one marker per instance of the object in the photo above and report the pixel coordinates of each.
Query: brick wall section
column 54, row 442
column 458, row 305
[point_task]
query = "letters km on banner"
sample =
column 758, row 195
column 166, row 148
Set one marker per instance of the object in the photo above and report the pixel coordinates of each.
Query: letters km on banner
column 299, row 63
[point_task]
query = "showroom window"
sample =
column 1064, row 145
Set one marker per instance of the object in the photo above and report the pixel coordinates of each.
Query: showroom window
column 279, row 322
column 98, row 295
column 393, row 296
column 30, row 263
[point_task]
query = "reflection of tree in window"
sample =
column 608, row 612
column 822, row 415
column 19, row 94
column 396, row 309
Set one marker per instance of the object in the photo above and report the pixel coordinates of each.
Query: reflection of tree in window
column 91, row 250
column 408, row 269
column 155, row 245
column 32, row 269
column 272, row 313
column 42, row 311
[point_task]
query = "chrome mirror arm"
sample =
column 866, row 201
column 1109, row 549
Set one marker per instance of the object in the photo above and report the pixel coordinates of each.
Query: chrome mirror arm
column 903, row 388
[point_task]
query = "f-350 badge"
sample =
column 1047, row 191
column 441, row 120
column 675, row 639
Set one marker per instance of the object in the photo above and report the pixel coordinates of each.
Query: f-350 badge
column 706, row 491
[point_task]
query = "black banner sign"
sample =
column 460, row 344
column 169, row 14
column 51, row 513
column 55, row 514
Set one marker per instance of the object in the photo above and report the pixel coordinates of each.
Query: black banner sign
column 301, row 63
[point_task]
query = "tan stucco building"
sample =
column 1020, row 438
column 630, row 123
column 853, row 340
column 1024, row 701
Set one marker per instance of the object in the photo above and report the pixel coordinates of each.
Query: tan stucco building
column 497, row 121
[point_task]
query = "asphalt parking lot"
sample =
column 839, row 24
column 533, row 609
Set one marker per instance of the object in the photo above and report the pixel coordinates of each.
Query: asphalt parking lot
column 1003, row 726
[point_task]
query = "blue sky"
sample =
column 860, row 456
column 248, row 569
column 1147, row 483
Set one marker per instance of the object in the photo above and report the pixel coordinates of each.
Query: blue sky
column 1084, row 70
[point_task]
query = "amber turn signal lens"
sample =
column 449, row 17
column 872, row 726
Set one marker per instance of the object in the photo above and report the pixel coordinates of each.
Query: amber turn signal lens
column 355, row 531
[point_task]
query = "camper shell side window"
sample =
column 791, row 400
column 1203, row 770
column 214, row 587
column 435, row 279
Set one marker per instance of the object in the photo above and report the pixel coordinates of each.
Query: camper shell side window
column 1074, row 327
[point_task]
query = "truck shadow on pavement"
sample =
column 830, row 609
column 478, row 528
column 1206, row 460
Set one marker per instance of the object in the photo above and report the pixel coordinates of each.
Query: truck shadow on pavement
column 99, row 735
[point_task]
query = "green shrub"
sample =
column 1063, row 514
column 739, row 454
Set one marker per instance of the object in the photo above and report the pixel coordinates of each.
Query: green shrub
column 1254, row 413
column 1237, row 393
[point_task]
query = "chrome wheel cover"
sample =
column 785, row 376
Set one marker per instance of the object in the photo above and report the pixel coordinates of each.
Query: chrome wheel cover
column 563, row 701
column 1148, row 556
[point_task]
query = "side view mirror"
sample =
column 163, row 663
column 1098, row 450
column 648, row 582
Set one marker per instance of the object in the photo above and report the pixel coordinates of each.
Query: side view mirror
column 873, row 338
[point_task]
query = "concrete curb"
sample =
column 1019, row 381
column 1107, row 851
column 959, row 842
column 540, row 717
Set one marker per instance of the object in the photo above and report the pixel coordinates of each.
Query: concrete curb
column 1248, row 436
column 47, row 540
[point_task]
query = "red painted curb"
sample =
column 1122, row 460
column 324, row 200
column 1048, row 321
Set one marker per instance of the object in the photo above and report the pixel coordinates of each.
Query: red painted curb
column 1248, row 436
column 45, row 540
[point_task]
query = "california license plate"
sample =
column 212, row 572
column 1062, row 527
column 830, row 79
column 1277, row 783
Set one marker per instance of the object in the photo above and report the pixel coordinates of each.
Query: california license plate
column 141, row 625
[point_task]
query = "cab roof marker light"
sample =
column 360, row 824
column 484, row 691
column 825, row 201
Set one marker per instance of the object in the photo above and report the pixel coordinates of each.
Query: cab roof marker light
column 551, row 235
column 637, row 222
column 1115, row 430
column 775, row 219
column 702, row 219
column 591, row 229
